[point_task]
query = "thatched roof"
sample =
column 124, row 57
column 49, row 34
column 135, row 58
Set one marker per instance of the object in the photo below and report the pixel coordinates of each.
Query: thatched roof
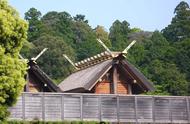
column 92, row 69
column 42, row 77
column 86, row 78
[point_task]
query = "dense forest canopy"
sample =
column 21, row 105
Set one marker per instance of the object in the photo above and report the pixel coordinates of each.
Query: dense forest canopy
column 162, row 56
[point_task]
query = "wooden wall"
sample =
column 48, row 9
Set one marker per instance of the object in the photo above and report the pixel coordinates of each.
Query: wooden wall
column 102, row 87
column 106, row 86
column 34, row 85
column 122, row 87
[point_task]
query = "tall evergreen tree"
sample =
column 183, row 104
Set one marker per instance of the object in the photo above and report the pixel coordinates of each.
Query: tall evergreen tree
column 119, row 35
column 179, row 29
column 58, row 24
column 33, row 17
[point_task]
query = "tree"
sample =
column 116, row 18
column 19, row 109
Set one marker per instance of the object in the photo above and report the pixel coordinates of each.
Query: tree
column 179, row 29
column 151, row 57
column 156, row 47
column 13, row 33
column 182, row 57
column 58, row 24
column 103, row 35
column 85, row 43
column 33, row 17
column 168, row 77
column 53, row 62
column 80, row 18
column 119, row 35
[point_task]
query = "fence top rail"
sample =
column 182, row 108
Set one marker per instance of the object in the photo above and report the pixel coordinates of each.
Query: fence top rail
column 109, row 95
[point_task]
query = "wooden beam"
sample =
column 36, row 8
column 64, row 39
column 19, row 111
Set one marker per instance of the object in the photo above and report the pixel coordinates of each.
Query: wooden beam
column 27, row 82
column 115, row 79
column 34, row 59
column 107, row 49
column 129, row 46
column 129, row 88
column 70, row 61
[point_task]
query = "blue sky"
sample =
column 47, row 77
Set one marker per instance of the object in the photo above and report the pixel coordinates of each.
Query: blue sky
column 148, row 15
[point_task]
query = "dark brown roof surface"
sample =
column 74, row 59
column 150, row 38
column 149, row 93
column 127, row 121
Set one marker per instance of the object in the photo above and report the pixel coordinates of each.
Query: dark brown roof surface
column 43, row 77
column 146, row 84
column 85, row 78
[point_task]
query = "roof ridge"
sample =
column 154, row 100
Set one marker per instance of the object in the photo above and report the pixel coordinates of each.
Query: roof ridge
column 96, row 59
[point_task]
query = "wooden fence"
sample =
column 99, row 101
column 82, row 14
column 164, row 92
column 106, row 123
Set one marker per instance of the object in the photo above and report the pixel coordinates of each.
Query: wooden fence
column 112, row 108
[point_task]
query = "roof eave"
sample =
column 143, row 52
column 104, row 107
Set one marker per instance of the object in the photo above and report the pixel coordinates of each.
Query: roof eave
column 146, row 84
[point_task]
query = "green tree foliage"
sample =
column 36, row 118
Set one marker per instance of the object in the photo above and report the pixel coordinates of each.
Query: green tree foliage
column 103, row 35
column 53, row 62
column 168, row 77
column 58, row 24
column 150, row 57
column 181, row 57
column 178, row 33
column 119, row 35
column 85, row 41
column 156, row 47
column 33, row 17
column 80, row 18
column 12, row 69
column 179, row 29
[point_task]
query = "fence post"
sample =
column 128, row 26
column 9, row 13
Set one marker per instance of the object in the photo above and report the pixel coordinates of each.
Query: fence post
column 100, row 107
column 118, row 109
column 188, row 111
column 170, row 111
column 43, row 107
column 81, row 107
column 136, row 116
column 62, row 106
column 153, row 109
column 23, row 106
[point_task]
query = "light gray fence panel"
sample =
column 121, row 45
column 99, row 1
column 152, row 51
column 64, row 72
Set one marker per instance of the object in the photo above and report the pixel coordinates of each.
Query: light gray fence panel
column 90, row 108
column 144, row 109
column 127, row 109
column 188, row 108
column 33, row 106
column 162, row 109
column 17, row 110
column 72, row 107
column 112, row 108
column 109, row 108
column 178, row 110
column 52, row 107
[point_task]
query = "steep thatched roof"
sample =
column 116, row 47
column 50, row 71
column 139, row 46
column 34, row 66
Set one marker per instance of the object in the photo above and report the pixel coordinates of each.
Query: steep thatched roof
column 42, row 77
column 92, row 69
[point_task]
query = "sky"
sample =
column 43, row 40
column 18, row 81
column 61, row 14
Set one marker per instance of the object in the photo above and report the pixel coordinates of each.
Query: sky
column 149, row 15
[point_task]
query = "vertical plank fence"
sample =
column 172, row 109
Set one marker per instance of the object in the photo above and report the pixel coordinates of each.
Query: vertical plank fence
column 111, row 108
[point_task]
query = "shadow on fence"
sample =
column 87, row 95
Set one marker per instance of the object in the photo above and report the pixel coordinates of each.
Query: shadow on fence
column 112, row 108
